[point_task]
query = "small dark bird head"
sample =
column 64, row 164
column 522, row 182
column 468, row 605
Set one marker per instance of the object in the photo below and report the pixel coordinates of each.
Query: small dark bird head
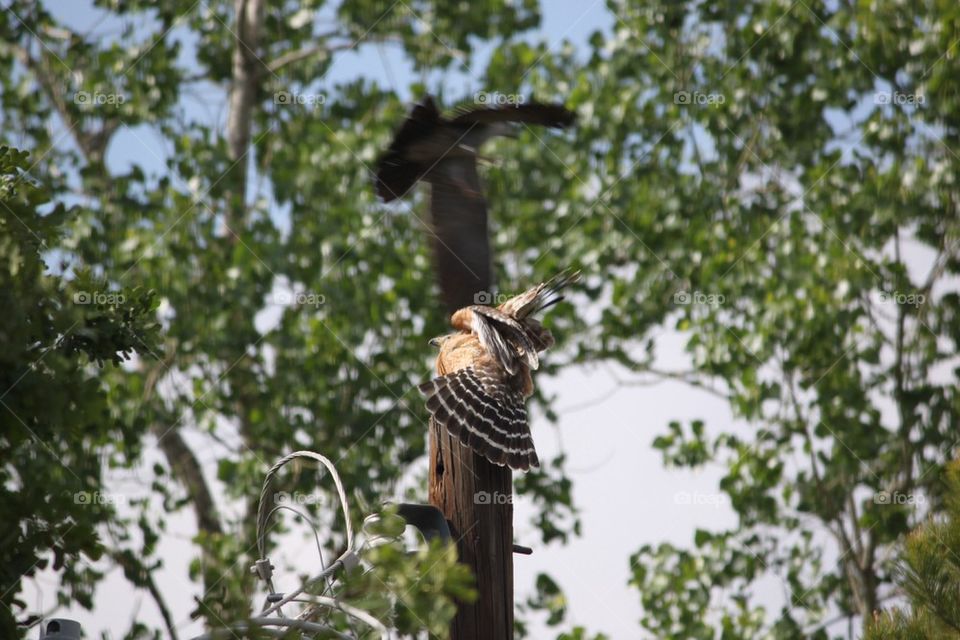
column 439, row 340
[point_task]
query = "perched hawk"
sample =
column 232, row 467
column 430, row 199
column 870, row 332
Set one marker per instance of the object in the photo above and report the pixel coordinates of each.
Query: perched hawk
column 443, row 151
column 483, row 374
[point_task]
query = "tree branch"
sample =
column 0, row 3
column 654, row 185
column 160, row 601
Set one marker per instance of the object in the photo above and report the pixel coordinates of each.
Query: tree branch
column 186, row 468
column 687, row 377
column 183, row 464
column 297, row 55
column 140, row 576
column 91, row 145
column 899, row 394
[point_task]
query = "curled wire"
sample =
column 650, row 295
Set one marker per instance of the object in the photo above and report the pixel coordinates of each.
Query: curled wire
column 347, row 560
column 261, row 623
column 264, row 569
column 267, row 494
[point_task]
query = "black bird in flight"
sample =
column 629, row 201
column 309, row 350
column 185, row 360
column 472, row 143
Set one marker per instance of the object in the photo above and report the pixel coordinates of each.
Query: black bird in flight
column 443, row 152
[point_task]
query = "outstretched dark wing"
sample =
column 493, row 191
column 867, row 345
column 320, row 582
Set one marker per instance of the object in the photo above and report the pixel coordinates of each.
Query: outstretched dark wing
column 476, row 406
column 547, row 115
column 396, row 174
column 460, row 239
column 426, row 143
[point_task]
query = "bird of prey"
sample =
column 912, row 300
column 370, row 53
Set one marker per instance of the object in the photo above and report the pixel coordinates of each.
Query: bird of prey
column 443, row 152
column 483, row 374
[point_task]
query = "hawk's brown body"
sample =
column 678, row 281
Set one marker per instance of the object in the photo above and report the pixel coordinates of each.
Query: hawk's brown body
column 484, row 374
column 464, row 350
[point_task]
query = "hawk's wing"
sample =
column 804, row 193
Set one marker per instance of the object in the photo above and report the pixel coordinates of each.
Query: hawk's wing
column 547, row 115
column 395, row 173
column 478, row 407
column 460, row 240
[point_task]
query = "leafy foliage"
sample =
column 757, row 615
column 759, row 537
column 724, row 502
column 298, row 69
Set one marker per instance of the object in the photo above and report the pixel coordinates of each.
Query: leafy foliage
column 413, row 592
column 57, row 423
column 773, row 180
column 759, row 175
column 930, row 575
column 269, row 343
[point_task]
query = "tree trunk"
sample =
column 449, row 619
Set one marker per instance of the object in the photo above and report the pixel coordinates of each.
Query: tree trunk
column 245, row 85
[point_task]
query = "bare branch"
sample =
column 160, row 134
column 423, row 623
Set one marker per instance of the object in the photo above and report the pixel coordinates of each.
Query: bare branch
column 183, row 463
column 91, row 144
column 140, row 576
column 297, row 55
column 186, row 468
column 687, row 377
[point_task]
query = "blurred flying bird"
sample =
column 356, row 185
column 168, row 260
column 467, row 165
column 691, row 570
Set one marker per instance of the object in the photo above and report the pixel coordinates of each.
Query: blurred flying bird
column 443, row 152
column 483, row 374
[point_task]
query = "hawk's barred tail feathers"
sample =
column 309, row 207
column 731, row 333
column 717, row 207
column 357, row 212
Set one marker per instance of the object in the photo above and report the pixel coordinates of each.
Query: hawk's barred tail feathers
column 540, row 297
column 483, row 415
column 554, row 288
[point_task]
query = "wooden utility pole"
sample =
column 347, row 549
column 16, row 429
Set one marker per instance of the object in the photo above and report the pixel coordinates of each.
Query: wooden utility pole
column 476, row 498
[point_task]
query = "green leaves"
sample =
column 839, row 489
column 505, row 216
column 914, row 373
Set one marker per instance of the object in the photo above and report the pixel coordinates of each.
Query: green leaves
column 929, row 572
column 759, row 176
column 684, row 450
column 769, row 224
column 259, row 297
column 552, row 492
column 550, row 598
column 55, row 414
column 410, row 591
column 438, row 35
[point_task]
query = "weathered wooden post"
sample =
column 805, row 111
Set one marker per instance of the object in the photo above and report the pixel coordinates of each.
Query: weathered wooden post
column 476, row 498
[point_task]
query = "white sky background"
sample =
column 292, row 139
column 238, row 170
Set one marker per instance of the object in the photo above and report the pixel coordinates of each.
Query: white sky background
column 626, row 497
